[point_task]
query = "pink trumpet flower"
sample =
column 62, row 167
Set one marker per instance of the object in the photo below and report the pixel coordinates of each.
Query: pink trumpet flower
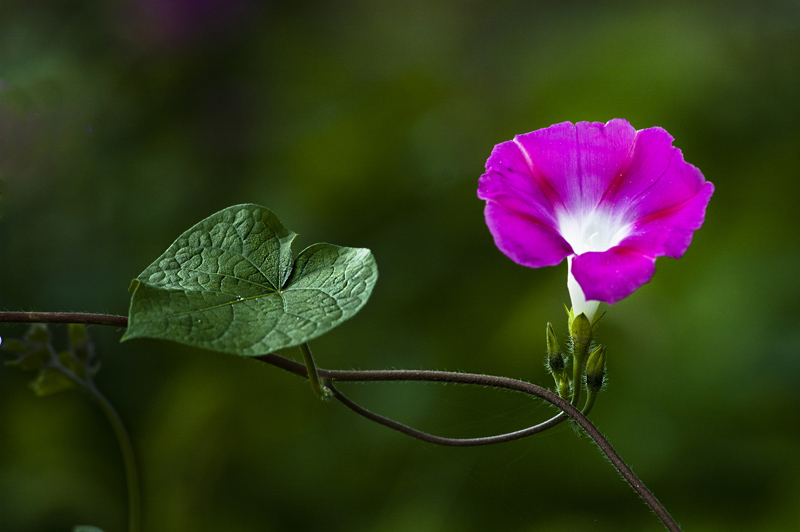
column 608, row 198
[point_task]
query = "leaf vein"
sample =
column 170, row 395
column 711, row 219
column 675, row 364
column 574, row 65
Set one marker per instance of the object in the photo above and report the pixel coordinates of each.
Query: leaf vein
column 226, row 304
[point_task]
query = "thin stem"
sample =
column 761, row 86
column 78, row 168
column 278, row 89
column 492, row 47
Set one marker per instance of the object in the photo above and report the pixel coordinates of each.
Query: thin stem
column 577, row 378
column 128, row 457
column 591, row 395
column 123, row 439
column 439, row 440
column 64, row 317
column 311, row 371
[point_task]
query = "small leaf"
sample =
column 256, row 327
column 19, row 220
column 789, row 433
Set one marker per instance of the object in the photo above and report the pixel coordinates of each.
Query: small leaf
column 15, row 346
column 32, row 360
column 70, row 362
column 33, row 351
column 229, row 284
column 78, row 336
column 49, row 381
column 38, row 334
column 85, row 528
column 82, row 350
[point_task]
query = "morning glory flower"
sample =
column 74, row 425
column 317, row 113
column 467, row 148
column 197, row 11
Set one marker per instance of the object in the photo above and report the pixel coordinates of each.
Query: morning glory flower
column 606, row 197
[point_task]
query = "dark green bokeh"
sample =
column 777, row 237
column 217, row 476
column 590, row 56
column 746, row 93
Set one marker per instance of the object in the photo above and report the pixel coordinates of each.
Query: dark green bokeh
column 367, row 124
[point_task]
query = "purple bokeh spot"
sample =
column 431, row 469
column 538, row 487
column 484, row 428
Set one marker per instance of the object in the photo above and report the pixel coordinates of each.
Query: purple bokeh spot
column 164, row 25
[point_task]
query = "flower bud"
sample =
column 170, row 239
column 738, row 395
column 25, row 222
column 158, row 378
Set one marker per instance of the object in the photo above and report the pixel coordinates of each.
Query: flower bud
column 555, row 359
column 556, row 363
column 596, row 369
column 581, row 332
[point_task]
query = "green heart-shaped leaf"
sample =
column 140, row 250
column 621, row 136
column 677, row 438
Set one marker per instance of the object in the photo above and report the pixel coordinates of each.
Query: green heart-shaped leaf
column 229, row 284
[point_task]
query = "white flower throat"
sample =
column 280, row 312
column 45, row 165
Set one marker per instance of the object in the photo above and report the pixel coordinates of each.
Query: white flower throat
column 592, row 231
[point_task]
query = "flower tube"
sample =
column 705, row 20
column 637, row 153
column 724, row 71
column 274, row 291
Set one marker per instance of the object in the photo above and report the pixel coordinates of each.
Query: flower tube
column 606, row 197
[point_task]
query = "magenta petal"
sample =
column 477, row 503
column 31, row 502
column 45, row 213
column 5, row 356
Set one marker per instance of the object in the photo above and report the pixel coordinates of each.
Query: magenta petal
column 612, row 275
column 577, row 162
column 525, row 240
column 666, row 188
column 508, row 181
column 669, row 231
column 604, row 150
column 647, row 164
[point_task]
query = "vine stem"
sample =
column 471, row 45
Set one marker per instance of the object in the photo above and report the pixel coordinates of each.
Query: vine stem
column 439, row 440
column 405, row 375
column 85, row 318
column 128, row 457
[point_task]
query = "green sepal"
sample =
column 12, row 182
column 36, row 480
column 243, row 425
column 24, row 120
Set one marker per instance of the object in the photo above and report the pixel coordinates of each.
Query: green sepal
column 596, row 369
column 230, row 284
column 581, row 333
column 564, row 387
column 555, row 359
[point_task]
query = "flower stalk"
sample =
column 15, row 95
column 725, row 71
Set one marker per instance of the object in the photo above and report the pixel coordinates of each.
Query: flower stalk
column 581, row 333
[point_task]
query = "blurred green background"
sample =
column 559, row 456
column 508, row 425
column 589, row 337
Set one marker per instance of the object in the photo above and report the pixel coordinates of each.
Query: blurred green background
column 367, row 124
